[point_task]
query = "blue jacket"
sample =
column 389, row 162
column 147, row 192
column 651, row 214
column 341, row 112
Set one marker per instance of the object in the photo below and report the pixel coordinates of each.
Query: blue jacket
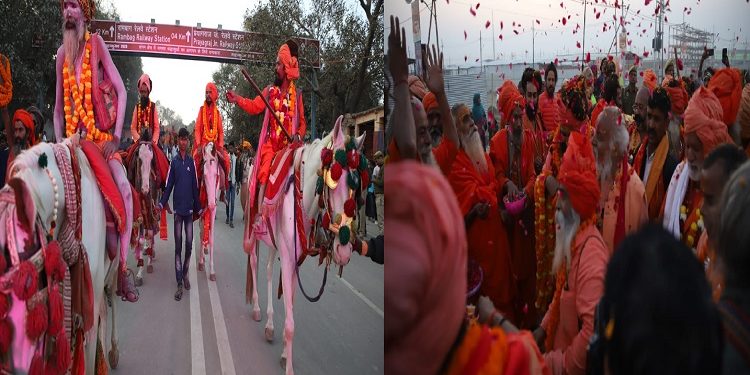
column 183, row 179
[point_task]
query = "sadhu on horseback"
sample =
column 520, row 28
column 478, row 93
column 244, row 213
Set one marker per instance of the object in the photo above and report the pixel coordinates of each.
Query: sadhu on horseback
column 305, row 190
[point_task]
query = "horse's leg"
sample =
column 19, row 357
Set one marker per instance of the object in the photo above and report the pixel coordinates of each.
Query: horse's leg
column 212, row 275
column 269, row 277
column 287, row 286
column 150, row 255
column 139, row 258
column 254, row 269
column 121, row 178
column 201, row 259
column 114, row 352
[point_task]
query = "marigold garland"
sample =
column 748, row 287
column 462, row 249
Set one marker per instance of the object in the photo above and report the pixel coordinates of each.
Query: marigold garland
column 284, row 107
column 6, row 89
column 480, row 338
column 561, row 279
column 210, row 133
column 144, row 116
column 84, row 108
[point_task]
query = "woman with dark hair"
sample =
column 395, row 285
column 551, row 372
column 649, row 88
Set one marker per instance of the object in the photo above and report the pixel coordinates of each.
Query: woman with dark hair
column 656, row 315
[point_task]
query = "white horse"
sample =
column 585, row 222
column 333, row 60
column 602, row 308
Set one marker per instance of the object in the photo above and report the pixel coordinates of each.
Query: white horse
column 40, row 193
column 212, row 177
column 287, row 241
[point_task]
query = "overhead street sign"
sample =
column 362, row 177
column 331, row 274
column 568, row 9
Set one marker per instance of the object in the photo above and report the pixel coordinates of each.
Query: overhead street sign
column 190, row 42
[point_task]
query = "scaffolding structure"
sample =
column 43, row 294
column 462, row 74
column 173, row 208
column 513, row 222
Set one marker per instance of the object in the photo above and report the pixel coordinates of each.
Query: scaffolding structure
column 689, row 42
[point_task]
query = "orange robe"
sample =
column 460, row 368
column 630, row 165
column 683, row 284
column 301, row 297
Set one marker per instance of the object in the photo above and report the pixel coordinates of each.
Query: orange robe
column 597, row 111
column 707, row 257
column 444, row 154
column 633, row 205
column 520, row 237
column 276, row 138
column 136, row 125
column 538, row 139
column 488, row 241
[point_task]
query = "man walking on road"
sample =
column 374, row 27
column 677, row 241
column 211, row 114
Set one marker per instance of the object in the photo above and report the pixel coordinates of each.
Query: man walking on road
column 183, row 179
column 377, row 176
column 232, row 182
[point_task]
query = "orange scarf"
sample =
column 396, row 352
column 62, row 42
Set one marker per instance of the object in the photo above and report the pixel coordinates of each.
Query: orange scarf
column 655, row 179
column 483, row 350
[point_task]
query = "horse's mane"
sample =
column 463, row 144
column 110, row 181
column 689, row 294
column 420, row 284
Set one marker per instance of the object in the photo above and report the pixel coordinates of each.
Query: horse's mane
column 28, row 158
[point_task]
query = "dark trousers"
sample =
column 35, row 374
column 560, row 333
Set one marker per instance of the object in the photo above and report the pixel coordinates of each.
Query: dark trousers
column 180, row 267
column 230, row 204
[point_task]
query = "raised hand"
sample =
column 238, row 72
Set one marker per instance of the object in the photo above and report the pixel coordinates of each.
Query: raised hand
column 397, row 63
column 232, row 97
column 434, row 79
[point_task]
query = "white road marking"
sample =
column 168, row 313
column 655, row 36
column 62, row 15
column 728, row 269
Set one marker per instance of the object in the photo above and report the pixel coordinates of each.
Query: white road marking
column 222, row 339
column 198, row 360
column 363, row 298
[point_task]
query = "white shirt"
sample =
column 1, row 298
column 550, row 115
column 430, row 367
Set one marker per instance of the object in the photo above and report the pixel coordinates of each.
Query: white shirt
column 647, row 171
column 375, row 172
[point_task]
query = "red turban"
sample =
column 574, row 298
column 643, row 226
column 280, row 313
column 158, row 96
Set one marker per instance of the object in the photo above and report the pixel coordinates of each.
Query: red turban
column 649, row 79
column 214, row 92
column 726, row 84
column 703, row 117
column 291, row 66
column 429, row 102
column 508, row 99
column 417, row 87
column 28, row 121
column 426, row 285
column 743, row 116
column 578, row 175
column 145, row 80
column 87, row 8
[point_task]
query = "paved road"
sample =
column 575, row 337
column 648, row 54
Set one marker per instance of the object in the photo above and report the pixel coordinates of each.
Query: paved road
column 340, row 334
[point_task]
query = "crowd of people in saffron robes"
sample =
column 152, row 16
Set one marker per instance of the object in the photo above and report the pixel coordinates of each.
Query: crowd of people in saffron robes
column 601, row 229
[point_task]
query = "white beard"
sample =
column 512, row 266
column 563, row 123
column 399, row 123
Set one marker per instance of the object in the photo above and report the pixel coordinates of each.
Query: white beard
column 72, row 39
column 564, row 234
column 429, row 159
column 604, row 169
column 472, row 145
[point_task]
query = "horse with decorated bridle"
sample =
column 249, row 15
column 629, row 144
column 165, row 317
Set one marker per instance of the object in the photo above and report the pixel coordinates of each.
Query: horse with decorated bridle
column 213, row 175
column 147, row 183
column 311, row 214
column 57, row 278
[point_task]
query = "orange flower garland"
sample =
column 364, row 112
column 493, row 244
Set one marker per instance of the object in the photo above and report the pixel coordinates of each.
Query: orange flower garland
column 554, row 307
column 6, row 89
column 143, row 116
column 480, row 339
column 210, row 133
column 84, row 108
column 284, row 109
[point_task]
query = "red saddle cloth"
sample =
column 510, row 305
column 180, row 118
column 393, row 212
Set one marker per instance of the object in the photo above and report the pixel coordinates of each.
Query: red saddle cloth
column 280, row 166
column 106, row 182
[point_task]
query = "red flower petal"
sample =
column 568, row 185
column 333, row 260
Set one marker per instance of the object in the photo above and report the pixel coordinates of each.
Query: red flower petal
column 473, row 12
column 465, row 34
column 645, row 54
column 647, row 2
column 487, row 24
column 561, row 5
column 501, row 36
column 564, row 21
column 477, row 5
column 501, row 25
column 588, row 57
column 578, row 44
column 515, row 31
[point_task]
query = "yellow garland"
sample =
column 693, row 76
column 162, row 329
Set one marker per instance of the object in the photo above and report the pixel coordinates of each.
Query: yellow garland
column 210, row 133
column 6, row 89
column 496, row 358
column 140, row 119
column 84, row 109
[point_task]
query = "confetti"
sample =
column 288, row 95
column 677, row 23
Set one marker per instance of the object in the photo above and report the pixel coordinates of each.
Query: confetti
column 564, row 21
column 473, row 12
column 501, row 36
column 561, row 5
column 487, row 24
column 645, row 54
column 647, row 2
column 515, row 31
column 578, row 44
column 537, row 22
column 501, row 25
column 465, row 34
column 588, row 57
column 477, row 5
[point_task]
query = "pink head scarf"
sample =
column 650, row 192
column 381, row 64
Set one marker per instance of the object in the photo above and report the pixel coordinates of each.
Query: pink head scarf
column 145, row 80
column 291, row 66
column 425, row 285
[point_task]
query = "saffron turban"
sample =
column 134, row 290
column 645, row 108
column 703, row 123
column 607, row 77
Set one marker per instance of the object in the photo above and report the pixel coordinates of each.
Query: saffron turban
column 214, row 91
column 726, row 84
column 508, row 99
column 744, row 113
column 291, row 65
column 703, row 116
column 426, row 283
column 87, row 8
column 28, row 121
column 145, row 80
column 578, row 175
column 429, row 102
column 417, row 87
column 246, row 145
column 649, row 79
column 677, row 95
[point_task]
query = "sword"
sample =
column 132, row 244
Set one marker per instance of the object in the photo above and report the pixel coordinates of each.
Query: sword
column 268, row 105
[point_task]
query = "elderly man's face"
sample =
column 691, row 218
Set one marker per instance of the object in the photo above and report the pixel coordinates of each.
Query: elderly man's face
column 694, row 153
column 424, row 141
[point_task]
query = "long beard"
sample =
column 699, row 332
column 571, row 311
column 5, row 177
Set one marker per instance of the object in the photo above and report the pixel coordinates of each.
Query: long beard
column 428, row 158
column 72, row 39
column 565, row 232
column 278, row 81
column 472, row 145
column 693, row 173
column 20, row 145
column 604, row 169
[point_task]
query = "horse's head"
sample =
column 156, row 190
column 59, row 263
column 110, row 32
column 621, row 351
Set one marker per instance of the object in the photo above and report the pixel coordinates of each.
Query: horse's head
column 341, row 171
column 210, row 174
column 145, row 159
column 34, row 189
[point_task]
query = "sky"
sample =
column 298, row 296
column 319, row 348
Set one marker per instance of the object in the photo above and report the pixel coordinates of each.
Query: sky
column 552, row 38
column 180, row 84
